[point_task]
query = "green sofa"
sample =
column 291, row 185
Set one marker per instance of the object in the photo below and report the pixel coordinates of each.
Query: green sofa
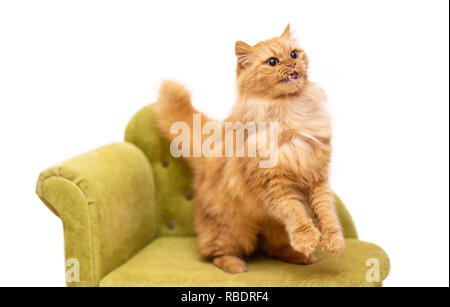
column 127, row 214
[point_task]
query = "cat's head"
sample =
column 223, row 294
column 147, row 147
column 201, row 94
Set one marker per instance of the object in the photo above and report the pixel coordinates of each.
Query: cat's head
column 273, row 68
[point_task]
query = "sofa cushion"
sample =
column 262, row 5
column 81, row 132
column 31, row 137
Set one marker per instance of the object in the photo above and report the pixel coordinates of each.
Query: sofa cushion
column 174, row 261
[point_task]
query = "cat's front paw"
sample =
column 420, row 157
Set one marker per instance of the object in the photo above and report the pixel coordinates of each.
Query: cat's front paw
column 332, row 242
column 305, row 239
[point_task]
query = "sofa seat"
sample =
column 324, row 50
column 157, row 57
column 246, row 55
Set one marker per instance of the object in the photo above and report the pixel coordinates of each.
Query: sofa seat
column 174, row 261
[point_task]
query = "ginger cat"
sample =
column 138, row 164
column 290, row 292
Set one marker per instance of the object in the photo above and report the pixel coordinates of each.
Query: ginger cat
column 240, row 206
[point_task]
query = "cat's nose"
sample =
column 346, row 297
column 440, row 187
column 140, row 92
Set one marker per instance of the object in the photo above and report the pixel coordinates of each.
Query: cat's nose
column 292, row 64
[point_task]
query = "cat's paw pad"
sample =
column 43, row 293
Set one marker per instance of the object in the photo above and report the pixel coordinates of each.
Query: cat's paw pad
column 332, row 242
column 305, row 239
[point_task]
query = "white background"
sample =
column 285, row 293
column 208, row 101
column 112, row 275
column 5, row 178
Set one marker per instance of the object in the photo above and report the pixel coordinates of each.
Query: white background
column 72, row 73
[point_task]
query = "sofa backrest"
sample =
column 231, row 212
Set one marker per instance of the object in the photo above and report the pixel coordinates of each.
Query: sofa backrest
column 173, row 179
column 172, row 176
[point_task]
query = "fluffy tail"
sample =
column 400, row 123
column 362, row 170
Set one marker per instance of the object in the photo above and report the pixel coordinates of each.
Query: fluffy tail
column 174, row 105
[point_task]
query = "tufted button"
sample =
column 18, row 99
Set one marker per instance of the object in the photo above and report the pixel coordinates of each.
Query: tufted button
column 189, row 195
column 171, row 225
column 165, row 162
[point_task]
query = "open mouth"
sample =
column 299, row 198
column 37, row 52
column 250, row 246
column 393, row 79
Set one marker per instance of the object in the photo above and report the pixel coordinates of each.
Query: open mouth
column 293, row 76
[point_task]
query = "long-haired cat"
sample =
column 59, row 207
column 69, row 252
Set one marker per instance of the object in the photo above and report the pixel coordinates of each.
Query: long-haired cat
column 285, row 211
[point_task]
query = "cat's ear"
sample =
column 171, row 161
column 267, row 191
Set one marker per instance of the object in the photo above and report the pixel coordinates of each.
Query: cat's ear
column 243, row 53
column 287, row 32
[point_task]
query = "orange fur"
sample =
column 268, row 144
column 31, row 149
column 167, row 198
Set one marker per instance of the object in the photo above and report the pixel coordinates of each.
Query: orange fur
column 240, row 206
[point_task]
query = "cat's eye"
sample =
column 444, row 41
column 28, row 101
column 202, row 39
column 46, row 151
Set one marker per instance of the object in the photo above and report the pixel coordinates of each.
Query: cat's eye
column 272, row 61
column 293, row 54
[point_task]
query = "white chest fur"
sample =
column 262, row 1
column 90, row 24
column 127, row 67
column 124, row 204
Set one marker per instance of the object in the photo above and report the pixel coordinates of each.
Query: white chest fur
column 304, row 131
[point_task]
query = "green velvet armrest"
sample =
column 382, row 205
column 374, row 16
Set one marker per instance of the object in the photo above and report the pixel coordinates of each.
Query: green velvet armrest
column 106, row 201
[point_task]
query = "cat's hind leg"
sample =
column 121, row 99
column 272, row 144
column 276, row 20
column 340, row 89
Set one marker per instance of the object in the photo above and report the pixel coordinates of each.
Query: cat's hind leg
column 226, row 241
column 230, row 264
column 274, row 242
